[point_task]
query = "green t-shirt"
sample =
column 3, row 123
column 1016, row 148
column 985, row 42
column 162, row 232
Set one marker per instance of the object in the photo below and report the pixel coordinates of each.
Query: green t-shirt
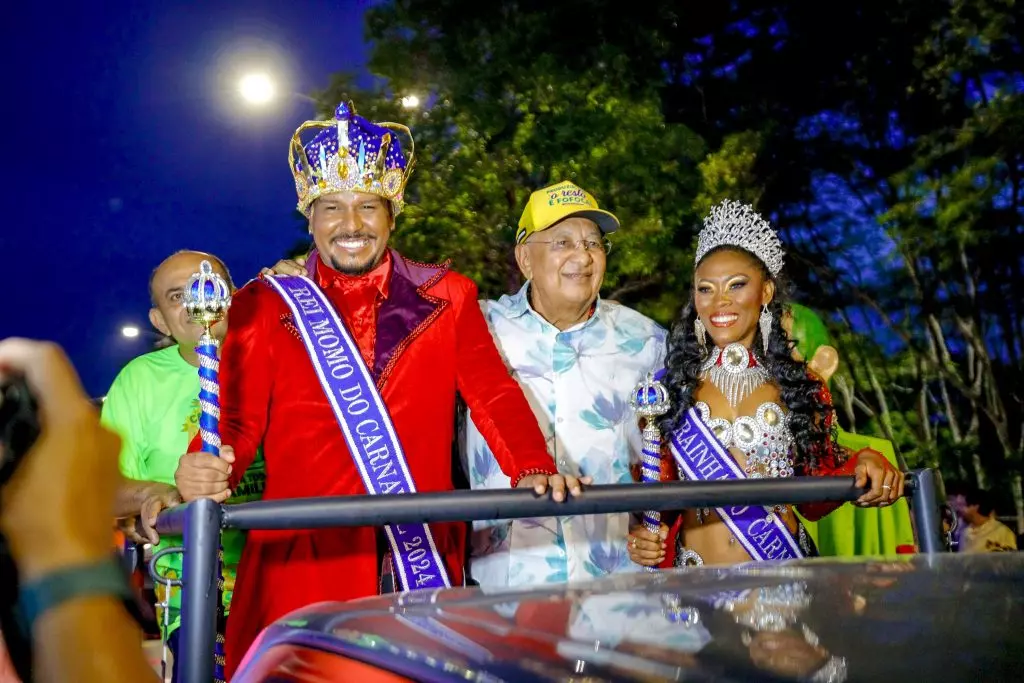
column 153, row 405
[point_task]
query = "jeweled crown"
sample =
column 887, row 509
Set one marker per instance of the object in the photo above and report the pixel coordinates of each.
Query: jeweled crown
column 735, row 224
column 350, row 154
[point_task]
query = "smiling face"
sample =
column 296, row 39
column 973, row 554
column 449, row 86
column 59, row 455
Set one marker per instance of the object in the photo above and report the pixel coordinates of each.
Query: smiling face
column 730, row 287
column 351, row 230
column 560, row 273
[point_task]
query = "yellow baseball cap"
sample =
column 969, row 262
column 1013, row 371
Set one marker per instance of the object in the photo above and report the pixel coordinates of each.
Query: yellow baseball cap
column 555, row 203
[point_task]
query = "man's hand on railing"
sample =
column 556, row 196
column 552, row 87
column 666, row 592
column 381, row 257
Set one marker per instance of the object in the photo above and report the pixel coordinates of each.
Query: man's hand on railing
column 204, row 475
column 558, row 483
column 140, row 503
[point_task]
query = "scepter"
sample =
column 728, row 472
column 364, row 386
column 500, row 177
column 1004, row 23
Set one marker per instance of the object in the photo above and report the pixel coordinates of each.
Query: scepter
column 207, row 298
column 650, row 401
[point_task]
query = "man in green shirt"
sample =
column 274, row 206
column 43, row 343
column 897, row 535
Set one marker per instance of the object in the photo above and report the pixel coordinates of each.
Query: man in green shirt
column 153, row 405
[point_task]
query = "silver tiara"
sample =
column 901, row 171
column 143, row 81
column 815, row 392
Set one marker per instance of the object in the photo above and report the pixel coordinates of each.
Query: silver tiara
column 735, row 224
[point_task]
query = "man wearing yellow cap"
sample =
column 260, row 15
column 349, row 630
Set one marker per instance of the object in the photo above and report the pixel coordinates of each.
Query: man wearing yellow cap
column 575, row 357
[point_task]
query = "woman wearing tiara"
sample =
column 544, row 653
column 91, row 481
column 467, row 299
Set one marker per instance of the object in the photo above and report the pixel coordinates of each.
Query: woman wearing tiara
column 736, row 403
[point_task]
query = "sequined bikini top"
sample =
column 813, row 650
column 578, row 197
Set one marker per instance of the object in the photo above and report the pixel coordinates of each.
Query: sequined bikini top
column 764, row 438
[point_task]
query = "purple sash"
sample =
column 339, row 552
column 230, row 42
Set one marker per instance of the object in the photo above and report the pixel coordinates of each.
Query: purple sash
column 702, row 457
column 365, row 423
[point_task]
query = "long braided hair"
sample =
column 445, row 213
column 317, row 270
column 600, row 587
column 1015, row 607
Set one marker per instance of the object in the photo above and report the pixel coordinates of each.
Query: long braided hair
column 811, row 413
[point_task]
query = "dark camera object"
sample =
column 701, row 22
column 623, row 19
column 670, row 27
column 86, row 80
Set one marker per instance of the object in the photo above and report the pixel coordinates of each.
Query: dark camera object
column 19, row 429
column 19, row 426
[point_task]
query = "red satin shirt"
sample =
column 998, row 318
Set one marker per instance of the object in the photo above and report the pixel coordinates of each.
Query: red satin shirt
column 360, row 299
column 422, row 332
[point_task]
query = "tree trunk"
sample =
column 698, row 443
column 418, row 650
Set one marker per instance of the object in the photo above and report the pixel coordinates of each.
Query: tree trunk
column 885, row 418
column 846, row 400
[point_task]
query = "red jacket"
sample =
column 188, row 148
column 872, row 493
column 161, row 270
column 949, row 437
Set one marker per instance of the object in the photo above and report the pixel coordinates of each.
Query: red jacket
column 431, row 342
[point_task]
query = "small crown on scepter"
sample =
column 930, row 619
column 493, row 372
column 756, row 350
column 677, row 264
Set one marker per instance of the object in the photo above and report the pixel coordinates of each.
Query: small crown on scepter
column 650, row 398
column 207, row 296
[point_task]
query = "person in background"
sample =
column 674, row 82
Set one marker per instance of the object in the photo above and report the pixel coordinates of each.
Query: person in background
column 153, row 406
column 956, row 500
column 984, row 533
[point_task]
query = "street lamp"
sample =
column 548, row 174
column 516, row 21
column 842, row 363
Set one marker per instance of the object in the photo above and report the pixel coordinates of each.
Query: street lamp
column 410, row 102
column 256, row 88
column 259, row 89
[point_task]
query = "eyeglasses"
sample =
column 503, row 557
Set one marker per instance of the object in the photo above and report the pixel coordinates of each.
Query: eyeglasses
column 565, row 245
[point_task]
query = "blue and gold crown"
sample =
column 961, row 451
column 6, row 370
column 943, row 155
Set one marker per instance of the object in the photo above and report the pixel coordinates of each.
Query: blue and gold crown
column 350, row 154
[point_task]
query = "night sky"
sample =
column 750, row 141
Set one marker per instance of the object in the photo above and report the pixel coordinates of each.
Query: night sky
column 125, row 141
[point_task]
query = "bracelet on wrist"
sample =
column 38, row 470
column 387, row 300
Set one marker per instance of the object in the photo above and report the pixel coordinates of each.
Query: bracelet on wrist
column 529, row 472
column 103, row 578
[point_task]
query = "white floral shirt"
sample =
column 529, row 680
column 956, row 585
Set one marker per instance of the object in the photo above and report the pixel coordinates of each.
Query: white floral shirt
column 578, row 383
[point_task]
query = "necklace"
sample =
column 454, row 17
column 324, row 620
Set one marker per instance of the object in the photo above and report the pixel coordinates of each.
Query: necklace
column 736, row 372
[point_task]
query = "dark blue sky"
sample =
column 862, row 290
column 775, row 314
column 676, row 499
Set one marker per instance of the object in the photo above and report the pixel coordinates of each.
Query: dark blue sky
column 121, row 149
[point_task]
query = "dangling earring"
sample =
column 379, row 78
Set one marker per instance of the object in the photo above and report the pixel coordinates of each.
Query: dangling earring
column 765, row 321
column 701, row 332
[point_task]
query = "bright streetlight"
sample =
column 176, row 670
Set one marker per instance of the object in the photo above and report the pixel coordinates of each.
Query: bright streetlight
column 410, row 102
column 259, row 89
column 256, row 88
column 130, row 331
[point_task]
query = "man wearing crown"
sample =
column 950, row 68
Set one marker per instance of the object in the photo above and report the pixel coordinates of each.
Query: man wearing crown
column 347, row 376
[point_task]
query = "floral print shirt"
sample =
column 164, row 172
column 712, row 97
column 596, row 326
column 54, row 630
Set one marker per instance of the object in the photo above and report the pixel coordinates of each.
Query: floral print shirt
column 578, row 382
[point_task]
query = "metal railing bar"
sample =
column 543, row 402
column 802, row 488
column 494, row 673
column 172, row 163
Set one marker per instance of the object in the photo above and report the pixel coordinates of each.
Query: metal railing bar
column 201, row 522
column 457, row 506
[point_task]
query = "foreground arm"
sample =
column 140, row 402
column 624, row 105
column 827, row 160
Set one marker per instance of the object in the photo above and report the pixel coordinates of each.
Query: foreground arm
column 89, row 640
column 72, row 467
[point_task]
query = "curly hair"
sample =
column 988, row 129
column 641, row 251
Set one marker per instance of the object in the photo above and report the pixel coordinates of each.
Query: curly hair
column 810, row 414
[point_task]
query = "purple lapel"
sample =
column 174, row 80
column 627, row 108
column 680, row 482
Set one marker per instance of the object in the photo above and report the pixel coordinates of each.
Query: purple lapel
column 406, row 312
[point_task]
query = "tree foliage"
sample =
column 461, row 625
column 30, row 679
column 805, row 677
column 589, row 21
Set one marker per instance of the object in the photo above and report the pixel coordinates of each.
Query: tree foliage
column 476, row 167
column 885, row 139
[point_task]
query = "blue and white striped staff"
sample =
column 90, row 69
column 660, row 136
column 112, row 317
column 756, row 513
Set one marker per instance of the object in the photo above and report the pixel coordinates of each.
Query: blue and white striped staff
column 206, row 300
column 650, row 401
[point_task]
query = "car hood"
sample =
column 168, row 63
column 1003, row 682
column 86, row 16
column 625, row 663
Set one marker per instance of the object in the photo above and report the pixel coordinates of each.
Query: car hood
column 942, row 617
